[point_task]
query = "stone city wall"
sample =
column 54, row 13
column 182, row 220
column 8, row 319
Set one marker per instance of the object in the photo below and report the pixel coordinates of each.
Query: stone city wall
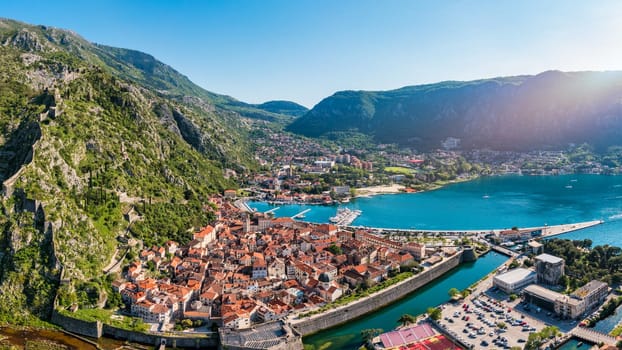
column 349, row 312
column 80, row 327
column 199, row 342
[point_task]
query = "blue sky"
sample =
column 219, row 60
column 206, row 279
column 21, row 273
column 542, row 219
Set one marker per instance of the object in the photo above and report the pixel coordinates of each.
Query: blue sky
column 303, row 50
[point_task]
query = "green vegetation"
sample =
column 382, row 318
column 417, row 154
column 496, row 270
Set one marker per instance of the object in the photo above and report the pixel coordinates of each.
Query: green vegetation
column 406, row 319
column 606, row 310
column 116, row 131
column 584, row 264
column 453, row 292
column 536, row 338
column 90, row 315
column 398, row 170
column 335, row 249
column 434, row 313
column 360, row 293
column 186, row 323
column 424, row 116
column 368, row 334
column 616, row 331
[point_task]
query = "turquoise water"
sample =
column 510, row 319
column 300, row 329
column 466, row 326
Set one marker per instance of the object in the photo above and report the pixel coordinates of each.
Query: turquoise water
column 522, row 201
column 609, row 323
column 348, row 336
column 572, row 345
column 486, row 203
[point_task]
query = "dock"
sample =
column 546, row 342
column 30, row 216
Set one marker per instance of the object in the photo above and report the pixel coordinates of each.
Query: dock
column 301, row 214
column 272, row 210
column 549, row 231
column 345, row 217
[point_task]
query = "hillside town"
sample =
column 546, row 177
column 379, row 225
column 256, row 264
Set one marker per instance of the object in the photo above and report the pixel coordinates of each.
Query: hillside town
column 250, row 268
column 301, row 170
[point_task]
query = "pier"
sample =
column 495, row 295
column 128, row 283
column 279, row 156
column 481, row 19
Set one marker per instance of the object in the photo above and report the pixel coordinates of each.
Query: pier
column 301, row 214
column 547, row 231
column 272, row 210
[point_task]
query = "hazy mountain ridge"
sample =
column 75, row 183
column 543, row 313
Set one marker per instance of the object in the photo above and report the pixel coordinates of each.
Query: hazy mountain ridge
column 549, row 110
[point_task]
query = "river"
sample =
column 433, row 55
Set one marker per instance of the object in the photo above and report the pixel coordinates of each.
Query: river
column 348, row 336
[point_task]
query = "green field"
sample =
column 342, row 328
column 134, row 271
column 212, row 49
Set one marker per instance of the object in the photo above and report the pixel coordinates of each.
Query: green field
column 398, row 170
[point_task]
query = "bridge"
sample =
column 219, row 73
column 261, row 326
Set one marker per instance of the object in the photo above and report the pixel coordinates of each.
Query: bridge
column 504, row 251
column 301, row 214
column 593, row 336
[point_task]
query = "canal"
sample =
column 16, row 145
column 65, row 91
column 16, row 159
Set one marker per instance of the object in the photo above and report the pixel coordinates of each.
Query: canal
column 348, row 336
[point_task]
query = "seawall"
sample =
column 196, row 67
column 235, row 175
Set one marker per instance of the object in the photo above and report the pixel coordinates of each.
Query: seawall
column 382, row 298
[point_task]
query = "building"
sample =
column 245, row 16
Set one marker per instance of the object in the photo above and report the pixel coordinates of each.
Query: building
column 519, row 235
column 593, row 293
column 536, row 247
column 575, row 305
column 514, row 280
column 151, row 312
column 541, row 297
column 549, row 269
column 416, row 250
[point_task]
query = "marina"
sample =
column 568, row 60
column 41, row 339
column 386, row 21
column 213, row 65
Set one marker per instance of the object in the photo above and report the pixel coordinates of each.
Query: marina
column 345, row 216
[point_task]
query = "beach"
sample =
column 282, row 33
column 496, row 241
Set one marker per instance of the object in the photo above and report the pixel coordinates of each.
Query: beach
column 374, row 190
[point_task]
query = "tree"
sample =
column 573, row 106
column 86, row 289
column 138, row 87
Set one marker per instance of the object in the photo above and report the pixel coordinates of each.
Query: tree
column 502, row 325
column 513, row 297
column 435, row 313
column 453, row 292
column 370, row 333
column 335, row 249
column 406, row 319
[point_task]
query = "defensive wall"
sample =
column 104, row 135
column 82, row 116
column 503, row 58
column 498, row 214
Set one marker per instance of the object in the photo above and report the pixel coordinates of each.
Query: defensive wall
column 96, row 329
column 377, row 300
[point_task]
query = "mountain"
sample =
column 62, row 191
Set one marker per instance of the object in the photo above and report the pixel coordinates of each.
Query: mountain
column 92, row 136
column 283, row 107
column 546, row 111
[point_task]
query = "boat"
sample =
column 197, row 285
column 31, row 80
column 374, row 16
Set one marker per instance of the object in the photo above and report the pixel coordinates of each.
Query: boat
column 579, row 344
column 345, row 216
column 568, row 186
column 485, row 196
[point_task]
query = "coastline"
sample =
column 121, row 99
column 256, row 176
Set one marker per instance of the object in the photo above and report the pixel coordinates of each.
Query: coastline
column 365, row 192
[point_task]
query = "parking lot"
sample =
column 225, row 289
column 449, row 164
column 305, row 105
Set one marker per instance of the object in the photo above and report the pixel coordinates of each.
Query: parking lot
column 543, row 316
column 486, row 322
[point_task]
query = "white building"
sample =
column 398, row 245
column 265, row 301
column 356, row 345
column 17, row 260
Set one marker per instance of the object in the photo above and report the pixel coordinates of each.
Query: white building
column 514, row 280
